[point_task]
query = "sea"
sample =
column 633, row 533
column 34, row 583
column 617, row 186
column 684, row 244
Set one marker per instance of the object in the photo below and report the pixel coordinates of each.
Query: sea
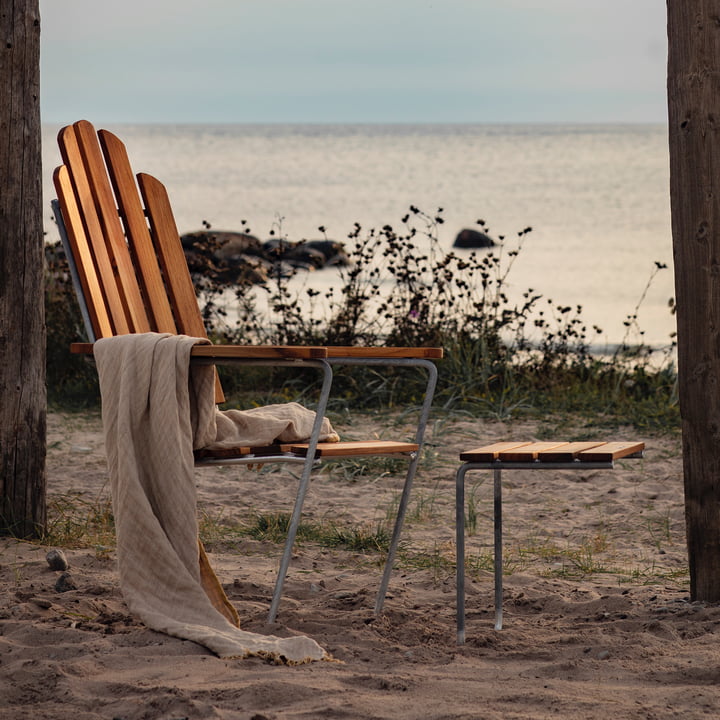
column 595, row 196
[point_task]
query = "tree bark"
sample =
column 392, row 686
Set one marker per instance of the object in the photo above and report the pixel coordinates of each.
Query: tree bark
column 22, row 316
column 694, row 138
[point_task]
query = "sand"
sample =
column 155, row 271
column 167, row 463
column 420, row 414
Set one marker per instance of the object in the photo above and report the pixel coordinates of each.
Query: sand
column 598, row 621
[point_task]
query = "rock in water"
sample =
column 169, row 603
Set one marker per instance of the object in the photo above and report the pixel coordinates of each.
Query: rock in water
column 222, row 243
column 473, row 239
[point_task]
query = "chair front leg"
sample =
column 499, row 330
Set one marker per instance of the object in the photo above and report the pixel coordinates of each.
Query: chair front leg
column 302, row 489
column 409, row 478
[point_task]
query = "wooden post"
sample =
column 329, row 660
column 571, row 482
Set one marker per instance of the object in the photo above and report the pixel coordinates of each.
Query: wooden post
column 694, row 136
column 22, row 316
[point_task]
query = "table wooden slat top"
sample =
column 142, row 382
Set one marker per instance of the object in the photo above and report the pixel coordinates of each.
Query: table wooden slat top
column 612, row 451
column 567, row 452
column 553, row 452
column 488, row 453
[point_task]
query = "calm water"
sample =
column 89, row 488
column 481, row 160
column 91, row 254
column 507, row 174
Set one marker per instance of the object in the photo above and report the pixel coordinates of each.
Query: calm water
column 596, row 196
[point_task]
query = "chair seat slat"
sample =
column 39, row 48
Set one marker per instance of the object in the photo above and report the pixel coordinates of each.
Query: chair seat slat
column 353, row 448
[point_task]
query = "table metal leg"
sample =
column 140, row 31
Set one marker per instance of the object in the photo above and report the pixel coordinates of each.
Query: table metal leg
column 460, row 551
column 498, row 549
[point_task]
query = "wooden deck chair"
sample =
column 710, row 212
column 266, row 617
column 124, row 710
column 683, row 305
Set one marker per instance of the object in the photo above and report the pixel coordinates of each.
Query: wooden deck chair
column 131, row 276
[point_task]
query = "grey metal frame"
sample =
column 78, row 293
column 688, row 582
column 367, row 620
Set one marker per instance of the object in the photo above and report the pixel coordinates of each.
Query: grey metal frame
column 309, row 461
column 497, row 467
column 55, row 205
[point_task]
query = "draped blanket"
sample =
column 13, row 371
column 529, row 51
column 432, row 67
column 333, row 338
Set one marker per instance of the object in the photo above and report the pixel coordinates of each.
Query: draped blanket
column 156, row 410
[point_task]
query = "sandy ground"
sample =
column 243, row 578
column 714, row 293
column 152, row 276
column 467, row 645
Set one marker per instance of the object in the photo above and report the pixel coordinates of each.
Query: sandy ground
column 598, row 622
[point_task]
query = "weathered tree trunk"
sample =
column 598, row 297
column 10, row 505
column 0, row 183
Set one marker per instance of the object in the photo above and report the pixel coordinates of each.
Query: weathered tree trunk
column 22, row 316
column 694, row 134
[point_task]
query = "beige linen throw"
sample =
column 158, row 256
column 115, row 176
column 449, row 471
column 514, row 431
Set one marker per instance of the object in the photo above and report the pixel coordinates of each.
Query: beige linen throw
column 156, row 410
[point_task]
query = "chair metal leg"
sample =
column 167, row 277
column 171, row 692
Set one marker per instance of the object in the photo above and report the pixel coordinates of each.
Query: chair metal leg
column 395, row 540
column 74, row 276
column 409, row 478
column 307, row 470
column 301, row 493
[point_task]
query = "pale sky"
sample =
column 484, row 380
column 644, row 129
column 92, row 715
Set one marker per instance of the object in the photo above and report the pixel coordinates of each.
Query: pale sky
column 489, row 61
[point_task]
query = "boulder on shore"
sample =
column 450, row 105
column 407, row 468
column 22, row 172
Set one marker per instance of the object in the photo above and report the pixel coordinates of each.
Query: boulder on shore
column 237, row 257
column 468, row 238
column 307, row 253
column 223, row 244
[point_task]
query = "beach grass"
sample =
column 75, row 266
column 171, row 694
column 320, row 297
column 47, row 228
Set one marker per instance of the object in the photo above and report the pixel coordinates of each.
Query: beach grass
column 75, row 522
column 504, row 357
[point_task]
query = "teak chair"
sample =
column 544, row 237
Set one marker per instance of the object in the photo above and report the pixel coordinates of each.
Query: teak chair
column 131, row 276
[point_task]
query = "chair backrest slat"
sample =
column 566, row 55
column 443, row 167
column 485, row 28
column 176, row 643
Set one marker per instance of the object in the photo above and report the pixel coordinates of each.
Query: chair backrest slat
column 137, row 232
column 112, row 229
column 90, row 224
column 172, row 258
column 102, row 325
column 174, row 265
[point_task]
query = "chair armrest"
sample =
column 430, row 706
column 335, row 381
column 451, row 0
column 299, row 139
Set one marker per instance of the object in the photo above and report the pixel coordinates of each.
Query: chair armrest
column 428, row 353
column 225, row 352
column 301, row 352
column 262, row 352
